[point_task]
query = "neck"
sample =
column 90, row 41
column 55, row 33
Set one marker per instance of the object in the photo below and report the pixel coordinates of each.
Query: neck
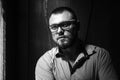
column 72, row 52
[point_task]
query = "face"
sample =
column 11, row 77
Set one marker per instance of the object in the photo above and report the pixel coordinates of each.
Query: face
column 63, row 29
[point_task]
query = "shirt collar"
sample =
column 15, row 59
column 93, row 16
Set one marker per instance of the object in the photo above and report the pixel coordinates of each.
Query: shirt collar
column 85, row 52
column 59, row 53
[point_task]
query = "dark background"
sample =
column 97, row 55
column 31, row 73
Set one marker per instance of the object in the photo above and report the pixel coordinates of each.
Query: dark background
column 28, row 37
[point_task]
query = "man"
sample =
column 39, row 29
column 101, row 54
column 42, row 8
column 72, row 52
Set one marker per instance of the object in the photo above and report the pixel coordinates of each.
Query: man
column 71, row 59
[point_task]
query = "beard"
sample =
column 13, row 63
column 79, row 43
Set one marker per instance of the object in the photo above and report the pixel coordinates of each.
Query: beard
column 64, row 43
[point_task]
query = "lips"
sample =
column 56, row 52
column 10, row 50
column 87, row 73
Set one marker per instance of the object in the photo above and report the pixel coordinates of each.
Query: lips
column 61, row 37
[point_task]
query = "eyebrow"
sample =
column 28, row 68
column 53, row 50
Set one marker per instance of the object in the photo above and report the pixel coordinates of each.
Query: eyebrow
column 63, row 22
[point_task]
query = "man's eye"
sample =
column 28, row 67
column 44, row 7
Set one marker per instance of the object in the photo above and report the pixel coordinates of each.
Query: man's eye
column 54, row 27
column 65, row 25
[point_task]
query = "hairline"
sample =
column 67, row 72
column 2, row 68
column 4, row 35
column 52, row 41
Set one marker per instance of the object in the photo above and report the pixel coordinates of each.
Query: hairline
column 60, row 10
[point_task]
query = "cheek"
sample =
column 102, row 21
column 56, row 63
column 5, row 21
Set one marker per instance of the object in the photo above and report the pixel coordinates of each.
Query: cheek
column 54, row 37
column 73, row 32
column 68, row 34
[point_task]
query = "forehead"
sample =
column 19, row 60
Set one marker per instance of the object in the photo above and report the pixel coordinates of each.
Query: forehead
column 60, row 17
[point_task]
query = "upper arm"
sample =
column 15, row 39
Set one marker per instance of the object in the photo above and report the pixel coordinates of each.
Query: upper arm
column 106, row 69
column 43, row 68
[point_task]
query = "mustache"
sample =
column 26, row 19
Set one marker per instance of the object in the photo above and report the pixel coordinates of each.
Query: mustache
column 62, row 37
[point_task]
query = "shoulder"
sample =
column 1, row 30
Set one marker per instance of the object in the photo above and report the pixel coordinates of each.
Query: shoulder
column 44, row 65
column 92, row 49
column 98, row 53
column 48, row 56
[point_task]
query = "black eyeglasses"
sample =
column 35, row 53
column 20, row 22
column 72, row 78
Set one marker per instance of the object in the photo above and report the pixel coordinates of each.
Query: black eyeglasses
column 64, row 25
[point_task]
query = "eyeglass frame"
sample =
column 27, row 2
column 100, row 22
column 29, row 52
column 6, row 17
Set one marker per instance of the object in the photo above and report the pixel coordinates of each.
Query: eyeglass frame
column 66, row 25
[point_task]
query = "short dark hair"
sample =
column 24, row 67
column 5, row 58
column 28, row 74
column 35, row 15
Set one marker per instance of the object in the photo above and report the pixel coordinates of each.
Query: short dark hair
column 62, row 9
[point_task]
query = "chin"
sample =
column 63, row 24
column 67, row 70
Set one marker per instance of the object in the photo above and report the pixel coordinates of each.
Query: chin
column 64, row 45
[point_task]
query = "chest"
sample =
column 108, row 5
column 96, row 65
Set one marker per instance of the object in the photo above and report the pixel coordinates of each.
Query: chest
column 84, row 71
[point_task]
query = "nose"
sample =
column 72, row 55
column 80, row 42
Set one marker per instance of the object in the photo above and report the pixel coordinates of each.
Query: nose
column 60, row 30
